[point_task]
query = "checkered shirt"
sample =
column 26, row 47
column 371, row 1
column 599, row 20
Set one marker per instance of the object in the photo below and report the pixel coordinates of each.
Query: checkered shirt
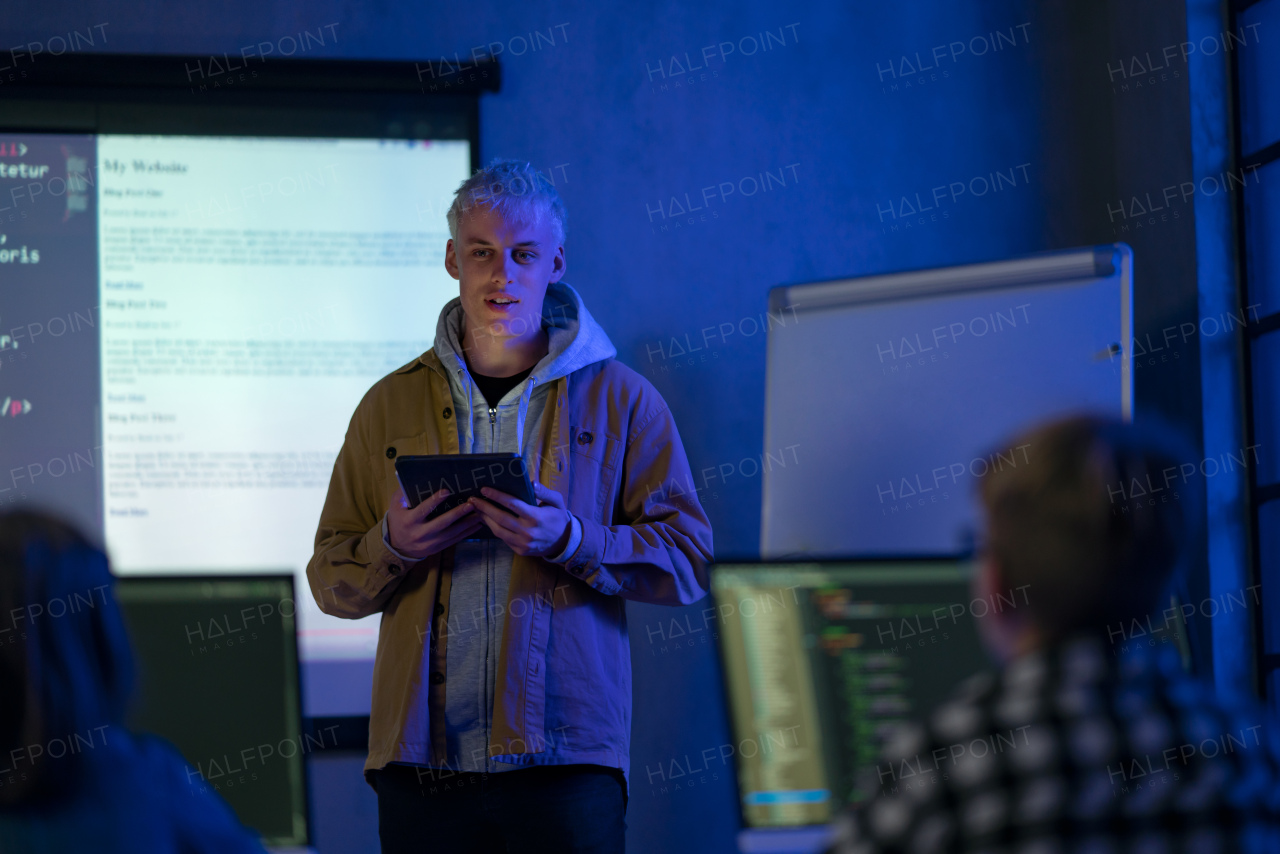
column 1084, row 747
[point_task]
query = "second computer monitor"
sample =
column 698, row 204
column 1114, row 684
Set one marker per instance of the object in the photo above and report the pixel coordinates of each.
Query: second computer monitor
column 821, row 660
column 218, row 677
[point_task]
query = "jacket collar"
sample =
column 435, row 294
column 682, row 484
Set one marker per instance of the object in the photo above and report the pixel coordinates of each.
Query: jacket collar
column 428, row 360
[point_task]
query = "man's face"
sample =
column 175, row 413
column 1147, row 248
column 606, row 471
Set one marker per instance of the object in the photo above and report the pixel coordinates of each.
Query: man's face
column 503, row 268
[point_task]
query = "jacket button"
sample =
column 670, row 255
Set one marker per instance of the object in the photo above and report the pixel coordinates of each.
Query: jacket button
column 391, row 453
column 584, row 438
column 439, row 609
column 437, row 678
column 448, row 412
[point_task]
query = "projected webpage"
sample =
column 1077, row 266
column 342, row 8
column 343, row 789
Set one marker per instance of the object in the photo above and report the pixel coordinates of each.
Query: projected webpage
column 251, row 291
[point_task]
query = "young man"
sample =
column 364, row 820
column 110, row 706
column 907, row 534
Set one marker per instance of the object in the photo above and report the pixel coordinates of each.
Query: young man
column 502, row 685
column 1105, row 744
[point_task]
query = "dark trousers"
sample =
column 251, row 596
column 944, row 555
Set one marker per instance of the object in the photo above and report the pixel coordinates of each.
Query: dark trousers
column 552, row 808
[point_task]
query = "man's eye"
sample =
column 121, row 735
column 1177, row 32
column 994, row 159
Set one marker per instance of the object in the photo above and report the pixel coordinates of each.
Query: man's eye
column 480, row 253
column 527, row 256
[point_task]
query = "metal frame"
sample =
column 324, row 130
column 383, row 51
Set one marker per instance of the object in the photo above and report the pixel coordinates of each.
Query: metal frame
column 126, row 93
column 1265, row 663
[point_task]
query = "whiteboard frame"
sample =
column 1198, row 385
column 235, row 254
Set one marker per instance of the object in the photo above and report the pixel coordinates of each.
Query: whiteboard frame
column 1046, row 268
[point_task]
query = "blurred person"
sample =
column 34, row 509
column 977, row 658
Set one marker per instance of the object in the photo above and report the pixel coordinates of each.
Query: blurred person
column 72, row 777
column 502, row 683
column 1091, row 736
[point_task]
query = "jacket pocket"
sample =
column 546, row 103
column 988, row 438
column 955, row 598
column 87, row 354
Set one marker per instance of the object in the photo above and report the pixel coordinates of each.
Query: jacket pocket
column 593, row 472
column 383, row 463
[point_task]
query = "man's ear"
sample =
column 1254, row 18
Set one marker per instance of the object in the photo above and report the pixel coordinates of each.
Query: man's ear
column 989, row 577
column 557, row 266
column 451, row 260
column 1006, row 632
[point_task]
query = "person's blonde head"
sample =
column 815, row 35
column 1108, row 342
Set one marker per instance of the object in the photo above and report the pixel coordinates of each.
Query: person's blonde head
column 514, row 189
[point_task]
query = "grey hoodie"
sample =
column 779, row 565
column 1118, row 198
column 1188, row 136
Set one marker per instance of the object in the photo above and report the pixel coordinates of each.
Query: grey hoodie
column 482, row 568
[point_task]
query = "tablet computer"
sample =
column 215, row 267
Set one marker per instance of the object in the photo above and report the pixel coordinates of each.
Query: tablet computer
column 463, row 475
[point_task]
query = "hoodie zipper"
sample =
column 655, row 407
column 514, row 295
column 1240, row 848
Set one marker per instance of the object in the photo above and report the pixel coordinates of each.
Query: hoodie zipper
column 490, row 579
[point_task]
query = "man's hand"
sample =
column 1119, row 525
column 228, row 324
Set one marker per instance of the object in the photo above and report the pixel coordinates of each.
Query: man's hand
column 536, row 531
column 412, row 534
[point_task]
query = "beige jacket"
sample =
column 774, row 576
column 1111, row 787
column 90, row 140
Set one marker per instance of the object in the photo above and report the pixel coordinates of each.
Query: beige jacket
column 610, row 446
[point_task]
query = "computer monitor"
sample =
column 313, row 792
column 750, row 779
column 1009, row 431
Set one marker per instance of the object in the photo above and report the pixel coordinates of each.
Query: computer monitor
column 821, row 660
column 218, row 677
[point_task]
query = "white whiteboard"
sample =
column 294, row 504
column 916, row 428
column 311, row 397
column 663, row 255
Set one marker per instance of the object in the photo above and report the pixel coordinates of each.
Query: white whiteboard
column 885, row 394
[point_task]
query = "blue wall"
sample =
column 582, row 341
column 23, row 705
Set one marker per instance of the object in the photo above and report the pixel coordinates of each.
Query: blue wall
column 850, row 135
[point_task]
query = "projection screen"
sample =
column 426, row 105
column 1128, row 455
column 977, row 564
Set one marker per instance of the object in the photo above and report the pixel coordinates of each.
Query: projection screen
column 246, row 293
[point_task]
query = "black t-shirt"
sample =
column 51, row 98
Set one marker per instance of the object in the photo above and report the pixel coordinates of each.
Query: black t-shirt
column 496, row 388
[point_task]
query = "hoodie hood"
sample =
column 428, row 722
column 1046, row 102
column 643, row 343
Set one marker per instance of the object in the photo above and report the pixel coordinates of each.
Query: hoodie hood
column 575, row 340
